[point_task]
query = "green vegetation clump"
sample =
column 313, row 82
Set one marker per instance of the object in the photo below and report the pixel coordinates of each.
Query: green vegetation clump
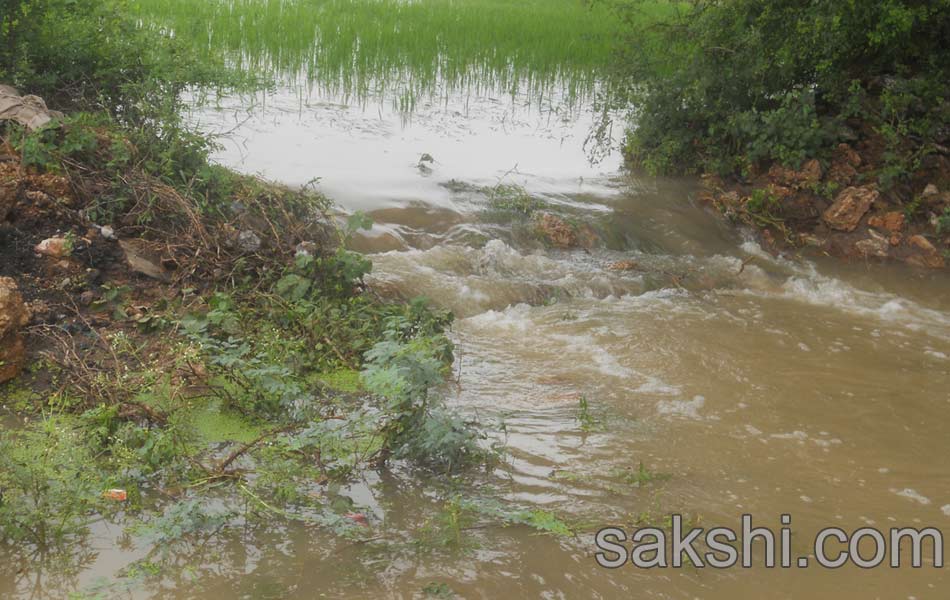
column 513, row 198
column 47, row 488
column 724, row 86
column 212, row 424
column 92, row 55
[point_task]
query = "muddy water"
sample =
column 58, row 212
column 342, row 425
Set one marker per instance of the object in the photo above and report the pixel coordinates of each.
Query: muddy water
column 750, row 384
column 743, row 383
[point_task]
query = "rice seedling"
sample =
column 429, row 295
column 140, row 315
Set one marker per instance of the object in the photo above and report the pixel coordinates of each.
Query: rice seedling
column 404, row 50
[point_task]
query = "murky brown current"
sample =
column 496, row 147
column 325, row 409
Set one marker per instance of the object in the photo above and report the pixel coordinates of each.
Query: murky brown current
column 806, row 387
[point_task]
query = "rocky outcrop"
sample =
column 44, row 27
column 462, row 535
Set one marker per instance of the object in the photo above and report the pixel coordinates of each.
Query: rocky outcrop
column 556, row 231
column 623, row 265
column 849, row 207
column 844, row 209
column 924, row 253
column 561, row 233
column 891, row 222
column 844, row 165
column 874, row 245
column 13, row 316
column 809, row 175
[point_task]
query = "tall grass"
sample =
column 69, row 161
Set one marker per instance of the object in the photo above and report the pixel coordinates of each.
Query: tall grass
column 405, row 49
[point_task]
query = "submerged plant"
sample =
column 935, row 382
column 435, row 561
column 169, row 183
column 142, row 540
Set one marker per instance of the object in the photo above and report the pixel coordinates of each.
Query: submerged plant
column 641, row 476
column 584, row 416
column 404, row 374
column 513, row 198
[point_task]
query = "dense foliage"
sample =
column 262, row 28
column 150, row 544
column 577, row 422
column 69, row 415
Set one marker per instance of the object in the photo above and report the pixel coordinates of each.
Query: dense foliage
column 724, row 85
column 92, row 55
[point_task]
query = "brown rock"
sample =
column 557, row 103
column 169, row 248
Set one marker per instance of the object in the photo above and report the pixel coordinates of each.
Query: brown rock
column 142, row 261
column 846, row 153
column 844, row 165
column 875, row 245
column 925, row 255
column 811, row 172
column 779, row 192
column 13, row 315
column 711, row 187
column 556, row 230
column 623, row 265
column 892, row 222
column 809, row 175
column 849, row 207
column 799, row 207
column 54, row 247
column 930, row 190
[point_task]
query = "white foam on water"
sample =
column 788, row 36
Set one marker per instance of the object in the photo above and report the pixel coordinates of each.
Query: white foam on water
column 682, row 408
column 499, row 258
column 753, row 248
column 468, row 293
column 514, row 318
column 654, row 385
column 805, row 284
column 589, row 351
column 912, row 494
column 797, row 435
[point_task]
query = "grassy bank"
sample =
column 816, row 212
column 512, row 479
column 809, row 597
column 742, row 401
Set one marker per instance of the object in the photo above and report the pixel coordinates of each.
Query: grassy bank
column 233, row 342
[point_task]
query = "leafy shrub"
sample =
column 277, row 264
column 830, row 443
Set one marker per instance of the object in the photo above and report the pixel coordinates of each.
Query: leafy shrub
column 405, row 375
column 47, row 488
column 943, row 221
column 720, row 85
column 90, row 54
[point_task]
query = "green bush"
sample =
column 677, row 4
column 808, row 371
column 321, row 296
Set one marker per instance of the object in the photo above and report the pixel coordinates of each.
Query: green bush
column 48, row 488
column 90, row 54
column 726, row 84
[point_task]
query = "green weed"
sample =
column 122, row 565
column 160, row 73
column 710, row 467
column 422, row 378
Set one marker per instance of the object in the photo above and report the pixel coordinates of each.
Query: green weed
column 641, row 476
column 585, row 417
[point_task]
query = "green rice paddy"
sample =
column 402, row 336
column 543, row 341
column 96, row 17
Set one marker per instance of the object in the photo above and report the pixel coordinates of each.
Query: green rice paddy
column 404, row 49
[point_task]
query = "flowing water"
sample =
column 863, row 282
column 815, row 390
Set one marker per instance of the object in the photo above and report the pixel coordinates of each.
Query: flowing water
column 742, row 383
column 746, row 383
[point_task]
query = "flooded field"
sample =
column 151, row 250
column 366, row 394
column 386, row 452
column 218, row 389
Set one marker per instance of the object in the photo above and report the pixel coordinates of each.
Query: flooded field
column 665, row 365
